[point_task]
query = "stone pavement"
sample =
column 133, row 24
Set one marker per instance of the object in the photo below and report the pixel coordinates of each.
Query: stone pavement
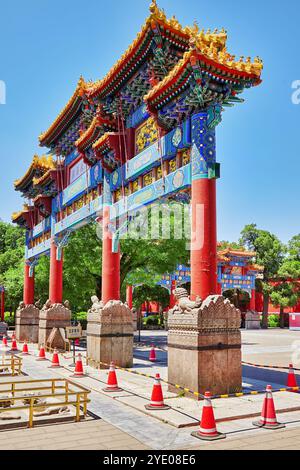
column 86, row 435
column 257, row 345
column 126, row 427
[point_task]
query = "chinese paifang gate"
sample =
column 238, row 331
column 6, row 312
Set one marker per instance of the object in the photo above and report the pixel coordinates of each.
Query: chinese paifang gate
column 143, row 133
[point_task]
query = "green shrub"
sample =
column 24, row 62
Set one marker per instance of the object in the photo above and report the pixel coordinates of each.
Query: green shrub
column 82, row 318
column 9, row 319
column 274, row 321
column 152, row 320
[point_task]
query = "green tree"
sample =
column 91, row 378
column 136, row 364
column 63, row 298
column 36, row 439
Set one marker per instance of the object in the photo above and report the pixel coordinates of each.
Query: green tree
column 148, row 293
column 284, row 295
column 270, row 253
column 12, row 263
column 82, row 267
column 294, row 248
column 145, row 260
column 287, row 292
column 41, row 290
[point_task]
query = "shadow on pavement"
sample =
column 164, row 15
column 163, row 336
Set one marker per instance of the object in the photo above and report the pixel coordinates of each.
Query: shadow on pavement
column 266, row 375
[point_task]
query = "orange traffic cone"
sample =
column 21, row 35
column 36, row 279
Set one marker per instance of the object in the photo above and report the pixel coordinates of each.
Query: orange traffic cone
column 112, row 382
column 291, row 381
column 55, row 359
column 208, row 429
column 152, row 356
column 4, row 341
column 42, row 354
column 13, row 336
column 157, row 399
column 14, row 346
column 78, row 367
column 25, row 351
column 268, row 418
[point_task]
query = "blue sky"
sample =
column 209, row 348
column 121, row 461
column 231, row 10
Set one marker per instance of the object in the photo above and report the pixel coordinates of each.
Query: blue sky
column 47, row 44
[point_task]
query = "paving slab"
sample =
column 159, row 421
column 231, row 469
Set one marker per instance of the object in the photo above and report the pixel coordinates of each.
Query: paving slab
column 152, row 431
column 235, row 408
column 173, row 417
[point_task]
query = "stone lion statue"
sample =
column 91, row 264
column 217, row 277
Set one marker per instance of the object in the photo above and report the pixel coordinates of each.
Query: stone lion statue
column 38, row 304
column 67, row 304
column 185, row 305
column 96, row 304
column 47, row 305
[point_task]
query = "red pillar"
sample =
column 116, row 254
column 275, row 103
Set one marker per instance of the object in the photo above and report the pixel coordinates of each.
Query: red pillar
column 2, row 304
column 219, row 288
column 28, row 294
column 172, row 296
column 129, row 295
column 252, row 300
column 110, row 263
column 204, row 239
column 56, row 276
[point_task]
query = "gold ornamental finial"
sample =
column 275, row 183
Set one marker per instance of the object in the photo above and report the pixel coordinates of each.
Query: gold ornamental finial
column 156, row 12
column 81, row 86
column 153, row 7
column 196, row 27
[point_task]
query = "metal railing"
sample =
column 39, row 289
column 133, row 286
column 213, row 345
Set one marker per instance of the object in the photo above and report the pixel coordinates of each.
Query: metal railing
column 28, row 392
column 11, row 363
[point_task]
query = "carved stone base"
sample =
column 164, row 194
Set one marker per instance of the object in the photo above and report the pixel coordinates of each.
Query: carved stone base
column 109, row 334
column 52, row 316
column 252, row 321
column 204, row 348
column 27, row 323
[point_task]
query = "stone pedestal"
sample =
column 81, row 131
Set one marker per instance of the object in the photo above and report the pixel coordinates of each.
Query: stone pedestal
column 204, row 347
column 252, row 321
column 27, row 323
column 109, row 334
column 53, row 316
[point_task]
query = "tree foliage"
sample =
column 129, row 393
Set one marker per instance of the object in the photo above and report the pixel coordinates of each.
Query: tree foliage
column 270, row 253
column 11, row 263
column 143, row 262
column 146, row 293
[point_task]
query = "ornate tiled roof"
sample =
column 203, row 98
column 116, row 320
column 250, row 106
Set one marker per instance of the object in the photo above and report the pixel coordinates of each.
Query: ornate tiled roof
column 66, row 114
column 103, row 139
column 223, row 258
column 39, row 164
column 234, row 252
column 207, row 46
column 223, row 64
column 42, row 179
column 92, row 133
column 256, row 267
column 116, row 72
column 17, row 215
column 212, row 45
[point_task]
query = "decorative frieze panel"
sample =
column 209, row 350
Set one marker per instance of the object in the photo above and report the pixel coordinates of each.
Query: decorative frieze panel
column 80, row 216
column 38, row 250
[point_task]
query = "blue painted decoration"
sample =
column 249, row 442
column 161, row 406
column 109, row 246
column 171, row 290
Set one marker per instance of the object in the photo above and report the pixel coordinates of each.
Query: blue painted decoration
column 203, row 147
